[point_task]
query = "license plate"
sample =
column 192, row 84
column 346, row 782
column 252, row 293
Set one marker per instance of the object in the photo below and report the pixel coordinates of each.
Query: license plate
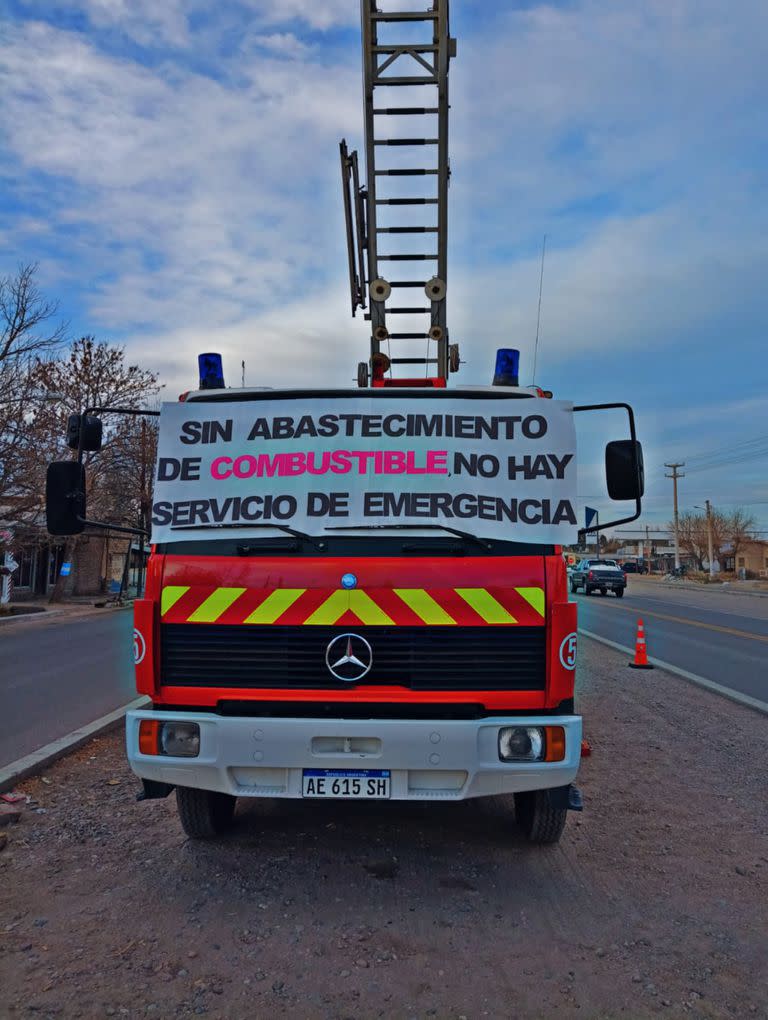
column 346, row 784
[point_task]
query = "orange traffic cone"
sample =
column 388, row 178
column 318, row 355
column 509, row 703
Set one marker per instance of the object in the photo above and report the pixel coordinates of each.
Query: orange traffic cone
column 641, row 653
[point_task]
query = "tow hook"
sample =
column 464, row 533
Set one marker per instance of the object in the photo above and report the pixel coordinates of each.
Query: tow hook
column 568, row 797
column 152, row 790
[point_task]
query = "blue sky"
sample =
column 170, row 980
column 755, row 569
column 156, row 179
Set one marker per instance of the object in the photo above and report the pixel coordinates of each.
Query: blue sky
column 173, row 168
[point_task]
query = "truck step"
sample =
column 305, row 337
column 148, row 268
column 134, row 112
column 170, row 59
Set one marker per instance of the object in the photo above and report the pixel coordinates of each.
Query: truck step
column 406, row 230
column 407, row 258
column 406, row 141
column 415, row 172
column 405, row 111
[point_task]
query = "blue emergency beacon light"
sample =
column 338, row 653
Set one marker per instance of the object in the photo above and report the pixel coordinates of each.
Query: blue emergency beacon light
column 507, row 367
column 211, row 371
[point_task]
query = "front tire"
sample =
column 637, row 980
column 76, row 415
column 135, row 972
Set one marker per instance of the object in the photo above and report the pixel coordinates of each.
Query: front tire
column 619, row 593
column 541, row 822
column 574, row 588
column 204, row 813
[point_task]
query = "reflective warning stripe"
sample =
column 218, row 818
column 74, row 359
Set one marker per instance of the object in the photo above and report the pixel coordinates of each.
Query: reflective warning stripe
column 356, row 601
column 210, row 610
column 485, row 605
column 170, row 596
column 534, row 597
column 424, row 606
column 377, row 607
column 274, row 605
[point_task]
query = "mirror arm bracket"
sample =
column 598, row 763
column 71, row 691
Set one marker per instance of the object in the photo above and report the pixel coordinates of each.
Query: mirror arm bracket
column 633, row 436
column 113, row 527
column 108, row 410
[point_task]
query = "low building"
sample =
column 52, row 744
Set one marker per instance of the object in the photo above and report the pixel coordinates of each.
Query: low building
column 751, row 557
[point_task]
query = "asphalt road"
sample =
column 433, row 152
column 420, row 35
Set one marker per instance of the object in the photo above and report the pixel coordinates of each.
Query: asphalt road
column 718, row 636
column 60, row 674
column 648, row 909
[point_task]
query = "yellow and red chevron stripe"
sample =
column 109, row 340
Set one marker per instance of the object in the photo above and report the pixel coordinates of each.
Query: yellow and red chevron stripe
column 374, row 607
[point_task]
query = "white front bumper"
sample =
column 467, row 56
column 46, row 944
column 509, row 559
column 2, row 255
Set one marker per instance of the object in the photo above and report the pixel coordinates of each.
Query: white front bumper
column 428, row 760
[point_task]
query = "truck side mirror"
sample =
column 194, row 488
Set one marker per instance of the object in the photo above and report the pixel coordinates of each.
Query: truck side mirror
column 624, row 470
column 91, row 428
column 65, row 498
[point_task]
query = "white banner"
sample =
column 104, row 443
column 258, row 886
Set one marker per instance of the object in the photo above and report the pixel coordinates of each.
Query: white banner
column 503, row 469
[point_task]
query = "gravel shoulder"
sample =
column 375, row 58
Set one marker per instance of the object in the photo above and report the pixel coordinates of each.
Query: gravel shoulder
column 654, row 903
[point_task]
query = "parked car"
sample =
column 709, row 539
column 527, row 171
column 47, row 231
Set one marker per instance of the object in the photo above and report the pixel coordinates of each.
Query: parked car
column 633, row 567
column 599, row 575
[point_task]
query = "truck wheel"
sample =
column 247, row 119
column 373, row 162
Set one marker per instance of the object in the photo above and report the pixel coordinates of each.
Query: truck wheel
column 619, row 593
column 573, row 588
column 535, row 815
column 603, row 591
column 203, row 813
column 587, row 590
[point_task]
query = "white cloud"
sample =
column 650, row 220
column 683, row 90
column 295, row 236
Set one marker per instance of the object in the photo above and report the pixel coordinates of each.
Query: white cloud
column 201, row 208
column 318, row 14
column 283, row 43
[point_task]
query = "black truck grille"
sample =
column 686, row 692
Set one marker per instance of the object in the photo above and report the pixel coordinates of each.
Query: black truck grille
column 417, row 658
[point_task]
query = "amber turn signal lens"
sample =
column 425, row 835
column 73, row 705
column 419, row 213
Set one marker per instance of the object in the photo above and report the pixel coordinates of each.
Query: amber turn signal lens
column 555, row 743
column 149, row 736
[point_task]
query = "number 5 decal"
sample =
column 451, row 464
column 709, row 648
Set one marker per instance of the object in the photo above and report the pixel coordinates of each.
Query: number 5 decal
column 568, row 651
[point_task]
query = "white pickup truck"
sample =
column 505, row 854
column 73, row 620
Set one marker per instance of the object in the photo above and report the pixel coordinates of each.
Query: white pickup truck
column 598, row 575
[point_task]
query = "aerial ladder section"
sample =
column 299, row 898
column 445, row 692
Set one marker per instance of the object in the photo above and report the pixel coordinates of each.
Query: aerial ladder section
column 397, row 204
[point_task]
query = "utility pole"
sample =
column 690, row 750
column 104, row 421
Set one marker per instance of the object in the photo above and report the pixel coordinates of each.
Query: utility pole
column 674, row 476
column 648, row 549
column 710, row 550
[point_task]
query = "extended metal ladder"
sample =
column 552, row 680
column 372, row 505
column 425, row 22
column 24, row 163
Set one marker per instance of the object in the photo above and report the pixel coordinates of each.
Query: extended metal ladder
column 380, row 208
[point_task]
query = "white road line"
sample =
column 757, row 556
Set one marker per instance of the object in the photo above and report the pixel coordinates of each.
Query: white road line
column 35, row 762
column 700, row 681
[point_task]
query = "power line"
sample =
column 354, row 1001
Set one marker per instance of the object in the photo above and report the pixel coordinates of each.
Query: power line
column 538, row 316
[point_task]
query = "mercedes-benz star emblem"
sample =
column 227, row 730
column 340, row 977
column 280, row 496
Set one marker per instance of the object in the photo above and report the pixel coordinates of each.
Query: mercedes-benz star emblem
column 349, row 657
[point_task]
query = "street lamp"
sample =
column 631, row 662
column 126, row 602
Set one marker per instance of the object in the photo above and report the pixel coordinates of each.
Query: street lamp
column 710, row 551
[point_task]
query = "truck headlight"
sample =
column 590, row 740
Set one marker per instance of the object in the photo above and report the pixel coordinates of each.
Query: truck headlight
column 521, row 743
column 180, row 739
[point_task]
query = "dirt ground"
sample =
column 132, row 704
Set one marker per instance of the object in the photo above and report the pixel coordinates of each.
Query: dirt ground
column 654, row 903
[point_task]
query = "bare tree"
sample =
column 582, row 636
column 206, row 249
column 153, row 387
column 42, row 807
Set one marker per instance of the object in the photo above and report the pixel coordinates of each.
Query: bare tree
column 729, row 534
column 27, row 334
column 740, row 529
column 95, row 374
column 692, row 530
column 25, row 316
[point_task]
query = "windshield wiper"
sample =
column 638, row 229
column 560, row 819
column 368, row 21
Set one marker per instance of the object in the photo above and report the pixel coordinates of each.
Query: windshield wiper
column 467, row 535
column 226, row 527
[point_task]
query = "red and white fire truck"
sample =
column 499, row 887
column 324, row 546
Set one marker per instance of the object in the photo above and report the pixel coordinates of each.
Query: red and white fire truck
column 345, row 598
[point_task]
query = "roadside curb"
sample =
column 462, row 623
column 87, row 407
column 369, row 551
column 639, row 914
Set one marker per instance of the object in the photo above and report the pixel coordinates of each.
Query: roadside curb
column 16, row 617
column 722, row 589
column 38, row 760
column 700, row 681
column 61, row 615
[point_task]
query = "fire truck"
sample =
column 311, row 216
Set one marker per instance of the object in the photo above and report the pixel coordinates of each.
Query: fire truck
column 425, row 650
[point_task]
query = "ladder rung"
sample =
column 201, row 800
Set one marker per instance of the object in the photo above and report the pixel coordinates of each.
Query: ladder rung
column 407, row 283
column 403, row 15
column 405, row 111
column 407, row 258
column 406, row 141
column 406, row 230
column 413, row 361
column 405, row 173
column 406, row 201
column 409, row 336
column 406, row 48
column 407, row 311
column 407, row 80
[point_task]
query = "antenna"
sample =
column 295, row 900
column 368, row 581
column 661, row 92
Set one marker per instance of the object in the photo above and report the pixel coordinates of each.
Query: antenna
column 538, row 317
column 242, row 374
